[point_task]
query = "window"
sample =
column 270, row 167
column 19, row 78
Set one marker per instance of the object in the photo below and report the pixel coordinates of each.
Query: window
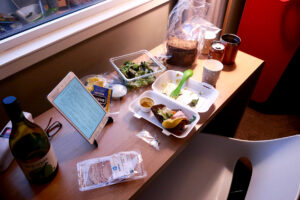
column 63, row 29
column 21, row 22
column 20, row 15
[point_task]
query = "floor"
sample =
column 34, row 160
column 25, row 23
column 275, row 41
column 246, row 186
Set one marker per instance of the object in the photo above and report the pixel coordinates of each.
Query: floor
column 282, row 108
column 259, row 126
column 256, row 125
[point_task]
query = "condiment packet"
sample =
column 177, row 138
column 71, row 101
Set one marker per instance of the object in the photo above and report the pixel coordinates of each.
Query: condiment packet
column 103, row 95
column 147, row 137
column 109, row 170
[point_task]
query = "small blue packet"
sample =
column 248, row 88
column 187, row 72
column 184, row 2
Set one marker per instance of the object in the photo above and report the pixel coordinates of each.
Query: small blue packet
column 103, row 95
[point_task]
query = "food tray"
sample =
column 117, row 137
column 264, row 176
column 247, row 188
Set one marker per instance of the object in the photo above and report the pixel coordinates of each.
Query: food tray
column 84, row 79
column 158, row 98
column 137, row 57
column 208, row 93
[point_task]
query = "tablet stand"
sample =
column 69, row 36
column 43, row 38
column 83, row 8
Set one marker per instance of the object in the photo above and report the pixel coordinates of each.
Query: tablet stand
column 110, row 120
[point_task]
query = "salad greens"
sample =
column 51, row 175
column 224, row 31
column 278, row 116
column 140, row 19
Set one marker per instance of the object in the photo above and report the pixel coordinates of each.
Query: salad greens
column 132, row 70
column 194, row 102
column 165, row 113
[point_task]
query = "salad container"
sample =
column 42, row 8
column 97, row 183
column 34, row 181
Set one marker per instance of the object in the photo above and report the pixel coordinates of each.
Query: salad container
column 139, row 57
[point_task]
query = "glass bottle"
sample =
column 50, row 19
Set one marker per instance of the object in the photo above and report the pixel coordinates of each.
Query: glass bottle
column 29, row 145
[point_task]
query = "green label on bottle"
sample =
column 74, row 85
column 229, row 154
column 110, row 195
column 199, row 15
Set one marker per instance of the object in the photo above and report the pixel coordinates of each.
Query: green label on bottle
column 40, row 169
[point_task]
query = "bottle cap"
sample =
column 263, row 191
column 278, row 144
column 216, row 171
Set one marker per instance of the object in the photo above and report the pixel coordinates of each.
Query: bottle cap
column 9, row 100
column 12, row 107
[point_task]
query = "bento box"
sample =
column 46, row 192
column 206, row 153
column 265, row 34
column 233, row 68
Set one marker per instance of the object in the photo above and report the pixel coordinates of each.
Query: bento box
column 199, row 96
column 158, row 98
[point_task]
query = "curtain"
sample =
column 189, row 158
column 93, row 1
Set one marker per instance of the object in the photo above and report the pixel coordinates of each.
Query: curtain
column 217, row 11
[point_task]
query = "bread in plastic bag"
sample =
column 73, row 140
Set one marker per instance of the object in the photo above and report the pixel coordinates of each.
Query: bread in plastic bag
column 186, row 29
column 109, row 170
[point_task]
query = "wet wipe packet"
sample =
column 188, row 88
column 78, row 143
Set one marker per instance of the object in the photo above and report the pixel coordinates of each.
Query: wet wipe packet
column 109, row 170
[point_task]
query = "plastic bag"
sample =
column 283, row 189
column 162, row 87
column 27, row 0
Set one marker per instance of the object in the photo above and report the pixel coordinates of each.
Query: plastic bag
column 186, row 28
column 109, row 170
column 208, row 33
column 147, row 137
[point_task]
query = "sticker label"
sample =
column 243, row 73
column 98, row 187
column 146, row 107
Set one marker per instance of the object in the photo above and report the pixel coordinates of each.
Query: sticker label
column 122, row 166
column 41, row 168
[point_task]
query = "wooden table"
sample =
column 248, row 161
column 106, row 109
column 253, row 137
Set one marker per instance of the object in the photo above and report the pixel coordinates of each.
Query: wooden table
column 235, row 86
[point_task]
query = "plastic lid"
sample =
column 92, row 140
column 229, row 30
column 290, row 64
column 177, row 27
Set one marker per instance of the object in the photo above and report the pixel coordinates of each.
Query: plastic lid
column 209, row 35
column 12, row 107
column 137, row 57
column 118, row 90
column 9, row 100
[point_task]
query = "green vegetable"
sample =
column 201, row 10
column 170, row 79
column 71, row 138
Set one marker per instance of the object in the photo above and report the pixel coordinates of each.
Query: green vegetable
column 141, row 82
column 193, row 102
column 166, row 113
column 193, row 119
column 133, row 70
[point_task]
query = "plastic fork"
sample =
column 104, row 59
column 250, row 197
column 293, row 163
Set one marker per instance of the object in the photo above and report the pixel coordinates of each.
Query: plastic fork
column 186, row 75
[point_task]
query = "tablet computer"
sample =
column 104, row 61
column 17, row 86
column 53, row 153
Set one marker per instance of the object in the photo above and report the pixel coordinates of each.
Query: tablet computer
column 79, row 107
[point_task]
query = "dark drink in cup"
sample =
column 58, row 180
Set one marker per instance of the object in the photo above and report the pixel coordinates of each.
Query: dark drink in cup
column 231, row 43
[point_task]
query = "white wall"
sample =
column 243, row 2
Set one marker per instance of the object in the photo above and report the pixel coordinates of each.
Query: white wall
column 32, row 85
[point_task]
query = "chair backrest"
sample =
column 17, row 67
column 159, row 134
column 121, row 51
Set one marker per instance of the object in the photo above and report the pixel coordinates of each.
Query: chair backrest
column 204, row 169
column 276, row 168
column 275, row 163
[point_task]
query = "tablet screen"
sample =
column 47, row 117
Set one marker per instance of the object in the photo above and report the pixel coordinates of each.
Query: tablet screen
column 80, row 107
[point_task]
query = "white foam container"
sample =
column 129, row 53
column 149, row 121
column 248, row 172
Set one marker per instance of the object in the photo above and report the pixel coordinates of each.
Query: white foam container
column 135, row 108
column 208, row 92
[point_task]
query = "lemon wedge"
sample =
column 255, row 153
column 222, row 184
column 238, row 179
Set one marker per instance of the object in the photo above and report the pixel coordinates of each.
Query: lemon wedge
column 171, row 123
column 90, row 88
column 92, row 79
column 99, row 83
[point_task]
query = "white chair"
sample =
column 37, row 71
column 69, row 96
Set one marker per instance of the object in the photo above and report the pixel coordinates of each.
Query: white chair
column 205, row 168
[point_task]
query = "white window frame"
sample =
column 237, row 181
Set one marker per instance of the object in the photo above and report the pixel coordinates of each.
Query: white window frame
column 29, row 47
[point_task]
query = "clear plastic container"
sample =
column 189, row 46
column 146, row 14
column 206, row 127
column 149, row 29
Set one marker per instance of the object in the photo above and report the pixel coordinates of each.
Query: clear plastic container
column 94, row 79
column 137, row 57
column 109, row 170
